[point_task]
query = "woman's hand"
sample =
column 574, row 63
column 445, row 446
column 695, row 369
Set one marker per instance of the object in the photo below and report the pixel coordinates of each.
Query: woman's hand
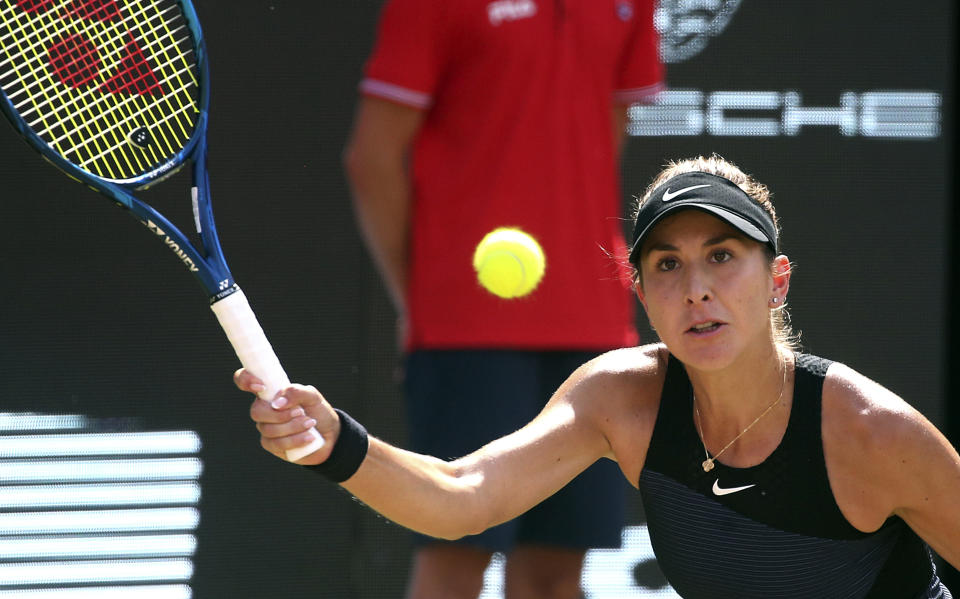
column 285, row 422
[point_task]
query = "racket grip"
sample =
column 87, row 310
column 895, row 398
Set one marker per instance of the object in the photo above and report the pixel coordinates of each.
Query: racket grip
column 257, row 355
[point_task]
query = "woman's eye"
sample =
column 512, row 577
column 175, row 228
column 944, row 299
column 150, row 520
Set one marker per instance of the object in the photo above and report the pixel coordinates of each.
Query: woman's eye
column 666, row 264
column 721, row 256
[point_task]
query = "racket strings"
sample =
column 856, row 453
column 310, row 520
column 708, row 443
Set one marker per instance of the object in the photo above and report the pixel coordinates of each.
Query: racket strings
column 174, row 57
column 130, row 81
column 99, row 10
column 126, row 108
column 110, row 168
column 13, row 21
column 70, row 124
column 113, row 87
column 35, row 22
column 97, row 145
column 28, row 110
column 78, row 35
column 136, row 17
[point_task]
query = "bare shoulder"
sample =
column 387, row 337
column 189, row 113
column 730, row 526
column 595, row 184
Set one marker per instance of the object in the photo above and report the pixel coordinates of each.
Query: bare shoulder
column 876, row 446
column 620, row 392
column 633, row 375
column 864, row 412
column 627, row 363
column 860, row 401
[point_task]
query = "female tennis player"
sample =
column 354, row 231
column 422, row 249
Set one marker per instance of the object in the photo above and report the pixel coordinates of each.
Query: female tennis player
column 764, row 471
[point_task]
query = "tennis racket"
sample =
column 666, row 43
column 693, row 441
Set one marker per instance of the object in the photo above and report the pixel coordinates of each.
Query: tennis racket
column 116, row 94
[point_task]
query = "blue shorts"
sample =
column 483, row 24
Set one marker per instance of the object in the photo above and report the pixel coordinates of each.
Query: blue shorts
column 457, row 401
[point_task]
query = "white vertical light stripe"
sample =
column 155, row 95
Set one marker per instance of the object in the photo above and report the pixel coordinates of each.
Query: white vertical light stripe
column 32, row 496
column 98, row 547
column 172, row 591
column 99, row 521
column 26, row 446
column 96, row 572
column 100, row 470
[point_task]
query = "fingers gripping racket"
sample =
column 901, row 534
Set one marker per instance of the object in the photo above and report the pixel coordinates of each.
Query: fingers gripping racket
column 115, row 93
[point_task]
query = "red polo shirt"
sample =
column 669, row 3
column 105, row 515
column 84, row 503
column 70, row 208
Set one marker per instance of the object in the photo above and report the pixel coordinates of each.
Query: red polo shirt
column 517, row 132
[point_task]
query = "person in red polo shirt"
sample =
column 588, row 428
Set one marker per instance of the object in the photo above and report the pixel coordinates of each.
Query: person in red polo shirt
column 476, row 115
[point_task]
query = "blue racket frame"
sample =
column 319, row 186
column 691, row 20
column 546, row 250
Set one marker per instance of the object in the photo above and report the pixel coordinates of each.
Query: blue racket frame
column 207, row 264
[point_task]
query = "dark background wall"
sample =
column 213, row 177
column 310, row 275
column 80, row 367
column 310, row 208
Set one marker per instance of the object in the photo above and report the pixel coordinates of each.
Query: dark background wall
column 98, row 319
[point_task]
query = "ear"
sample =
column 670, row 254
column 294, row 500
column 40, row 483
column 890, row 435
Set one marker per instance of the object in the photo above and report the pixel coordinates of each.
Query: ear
column 640, row 295
column 780, row 271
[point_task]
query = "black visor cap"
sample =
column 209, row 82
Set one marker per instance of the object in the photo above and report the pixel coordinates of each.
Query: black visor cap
column 709, row 193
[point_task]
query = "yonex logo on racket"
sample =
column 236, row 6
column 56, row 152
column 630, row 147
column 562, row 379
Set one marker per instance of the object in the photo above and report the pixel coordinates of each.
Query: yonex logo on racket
column 140, row 137
column 77, row 61
column 173, row 245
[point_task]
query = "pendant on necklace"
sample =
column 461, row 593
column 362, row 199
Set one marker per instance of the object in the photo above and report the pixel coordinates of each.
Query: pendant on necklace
column 707, row 465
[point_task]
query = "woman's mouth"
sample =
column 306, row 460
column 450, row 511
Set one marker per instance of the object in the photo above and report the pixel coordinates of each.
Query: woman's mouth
column 705, row 328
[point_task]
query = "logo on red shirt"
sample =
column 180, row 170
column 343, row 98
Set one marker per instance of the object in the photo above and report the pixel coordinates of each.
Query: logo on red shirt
column 510, row 10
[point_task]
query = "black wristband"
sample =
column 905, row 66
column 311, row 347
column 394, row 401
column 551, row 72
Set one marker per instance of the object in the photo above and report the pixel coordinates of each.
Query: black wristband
column 348, row 452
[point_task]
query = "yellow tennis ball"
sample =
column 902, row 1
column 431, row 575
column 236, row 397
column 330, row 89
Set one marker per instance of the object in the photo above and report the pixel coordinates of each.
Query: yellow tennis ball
column 509, row 262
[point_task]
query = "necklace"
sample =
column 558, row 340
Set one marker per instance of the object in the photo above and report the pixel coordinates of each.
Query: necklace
column 708, row 463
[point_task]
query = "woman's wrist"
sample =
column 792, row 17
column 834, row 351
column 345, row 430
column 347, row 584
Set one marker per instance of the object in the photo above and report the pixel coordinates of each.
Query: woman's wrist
column 348, row 452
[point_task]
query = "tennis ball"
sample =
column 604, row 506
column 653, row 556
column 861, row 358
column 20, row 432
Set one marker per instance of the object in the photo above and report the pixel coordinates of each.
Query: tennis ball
column 509, row 262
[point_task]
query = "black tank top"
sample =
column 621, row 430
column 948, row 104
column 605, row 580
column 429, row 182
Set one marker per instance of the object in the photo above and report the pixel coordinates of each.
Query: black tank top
column 774, row 529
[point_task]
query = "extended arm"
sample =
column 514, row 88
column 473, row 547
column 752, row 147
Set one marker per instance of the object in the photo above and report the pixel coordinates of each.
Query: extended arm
column 450, row 499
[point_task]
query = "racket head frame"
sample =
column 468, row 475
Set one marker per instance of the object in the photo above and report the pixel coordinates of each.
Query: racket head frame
column 207, row 263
